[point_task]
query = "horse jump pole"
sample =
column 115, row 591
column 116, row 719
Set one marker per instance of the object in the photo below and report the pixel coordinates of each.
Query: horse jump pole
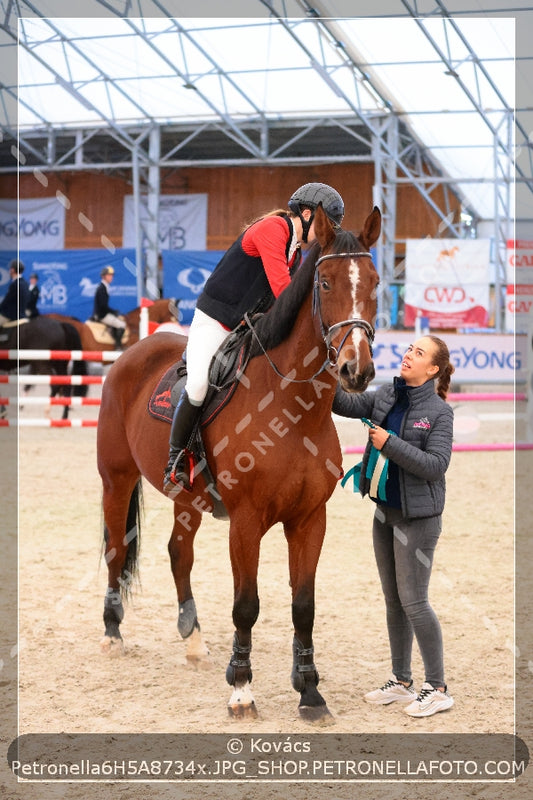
column 48, row 423
column 52, row 401
column 53, row 380
column 60, row 355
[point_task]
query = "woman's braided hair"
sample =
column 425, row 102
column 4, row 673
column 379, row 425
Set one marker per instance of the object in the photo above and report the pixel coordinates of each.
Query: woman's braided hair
column 441, row 359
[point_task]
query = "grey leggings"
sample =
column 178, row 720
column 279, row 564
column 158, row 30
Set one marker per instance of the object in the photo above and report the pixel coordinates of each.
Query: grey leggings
column 404, row 555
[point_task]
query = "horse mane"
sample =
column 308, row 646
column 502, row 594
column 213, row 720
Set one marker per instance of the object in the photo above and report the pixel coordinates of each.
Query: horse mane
column 276, row 325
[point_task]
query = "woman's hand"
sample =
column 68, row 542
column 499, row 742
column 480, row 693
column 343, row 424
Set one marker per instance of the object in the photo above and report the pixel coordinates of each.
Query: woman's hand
column 378, row 436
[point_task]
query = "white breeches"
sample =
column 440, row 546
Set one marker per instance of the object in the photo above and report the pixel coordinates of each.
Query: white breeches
column 113, row 321
column 205, row 337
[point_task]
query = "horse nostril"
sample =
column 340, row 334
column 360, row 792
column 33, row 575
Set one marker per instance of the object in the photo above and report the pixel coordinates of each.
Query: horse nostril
column 344, row 371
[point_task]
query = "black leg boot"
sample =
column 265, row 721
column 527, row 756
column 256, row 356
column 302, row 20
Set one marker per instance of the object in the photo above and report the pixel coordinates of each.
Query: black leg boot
column 180, row 463
column 118, row 333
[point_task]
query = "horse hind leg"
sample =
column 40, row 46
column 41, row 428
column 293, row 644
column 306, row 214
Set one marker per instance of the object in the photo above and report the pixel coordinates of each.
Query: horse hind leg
column 122, row 533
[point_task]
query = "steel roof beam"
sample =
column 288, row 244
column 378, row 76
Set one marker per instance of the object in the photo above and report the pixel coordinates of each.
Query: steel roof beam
column 325, row 25
column 186, row 78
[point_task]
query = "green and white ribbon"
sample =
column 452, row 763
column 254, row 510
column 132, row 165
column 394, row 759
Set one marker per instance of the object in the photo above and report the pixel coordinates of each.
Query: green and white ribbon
column 377, row 471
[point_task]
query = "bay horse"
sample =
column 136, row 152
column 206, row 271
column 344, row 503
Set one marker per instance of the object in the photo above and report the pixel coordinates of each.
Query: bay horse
column 43, row 333
column 162, row 310
column 273, row 449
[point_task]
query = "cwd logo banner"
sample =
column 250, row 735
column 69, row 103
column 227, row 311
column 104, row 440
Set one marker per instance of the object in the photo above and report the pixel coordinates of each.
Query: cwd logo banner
column 447, row 281
column 37, row 224
column 182, row 222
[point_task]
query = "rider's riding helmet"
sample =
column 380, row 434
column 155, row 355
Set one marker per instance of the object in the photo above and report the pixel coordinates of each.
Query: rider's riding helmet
column 107, row 271
column 310, row 195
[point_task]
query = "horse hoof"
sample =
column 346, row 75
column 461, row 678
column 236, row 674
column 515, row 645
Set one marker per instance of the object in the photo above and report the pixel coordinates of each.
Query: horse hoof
column 112, row 647
column 197, row 651
column 242, row 704
column 317, row 715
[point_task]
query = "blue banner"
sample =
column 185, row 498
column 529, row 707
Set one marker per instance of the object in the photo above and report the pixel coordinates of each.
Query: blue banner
column 184, row 275
column 68, row 279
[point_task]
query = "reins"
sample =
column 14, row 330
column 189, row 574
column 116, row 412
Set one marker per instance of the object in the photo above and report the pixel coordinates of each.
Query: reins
column 327, row 333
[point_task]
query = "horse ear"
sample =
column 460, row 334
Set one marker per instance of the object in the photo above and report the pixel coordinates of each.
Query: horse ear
column 371, row 229
column 324, row 227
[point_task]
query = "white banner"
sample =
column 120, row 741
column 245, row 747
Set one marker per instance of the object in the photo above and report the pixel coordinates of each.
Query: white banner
column 37, row 224
column 447, row 281
column 477, row 358
column 182, row 222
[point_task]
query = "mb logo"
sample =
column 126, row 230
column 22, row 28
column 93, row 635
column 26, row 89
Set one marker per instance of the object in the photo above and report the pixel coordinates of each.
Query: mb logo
column 53, row 294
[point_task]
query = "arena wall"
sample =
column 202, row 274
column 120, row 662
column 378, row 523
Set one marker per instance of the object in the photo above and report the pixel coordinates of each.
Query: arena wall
column 235, row 196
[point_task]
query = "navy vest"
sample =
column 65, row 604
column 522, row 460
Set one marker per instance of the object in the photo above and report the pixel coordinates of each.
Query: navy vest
column 239, row 285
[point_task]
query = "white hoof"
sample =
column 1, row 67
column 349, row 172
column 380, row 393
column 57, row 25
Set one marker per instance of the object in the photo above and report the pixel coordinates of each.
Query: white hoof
column 197, row 650
column 112, row 647
column 242, row 704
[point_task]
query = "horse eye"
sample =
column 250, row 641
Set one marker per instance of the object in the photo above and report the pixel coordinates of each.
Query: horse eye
column 324, row 284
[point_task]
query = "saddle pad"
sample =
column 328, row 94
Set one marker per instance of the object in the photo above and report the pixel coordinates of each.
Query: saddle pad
column 166, row 394
column 160, row 404
column 102, row 334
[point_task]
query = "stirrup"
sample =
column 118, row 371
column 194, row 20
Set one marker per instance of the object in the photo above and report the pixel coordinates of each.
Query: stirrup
column 178, row 473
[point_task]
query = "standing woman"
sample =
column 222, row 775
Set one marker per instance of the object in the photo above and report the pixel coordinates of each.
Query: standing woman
column 251, row 274
column 403, row 468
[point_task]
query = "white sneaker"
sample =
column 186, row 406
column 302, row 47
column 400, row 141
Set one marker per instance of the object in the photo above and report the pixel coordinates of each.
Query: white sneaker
column 390, row 692
column 429, row 701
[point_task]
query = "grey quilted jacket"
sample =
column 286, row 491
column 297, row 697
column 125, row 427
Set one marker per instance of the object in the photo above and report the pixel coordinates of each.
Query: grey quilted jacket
column 423, row 449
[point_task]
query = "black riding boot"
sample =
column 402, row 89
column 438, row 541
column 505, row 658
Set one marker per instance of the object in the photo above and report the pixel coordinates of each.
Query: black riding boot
column 118, row 333
column 180, row 465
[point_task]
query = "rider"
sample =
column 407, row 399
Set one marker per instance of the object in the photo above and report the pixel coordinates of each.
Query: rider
column 102, row 312
column 251, row 274
column 13, row 306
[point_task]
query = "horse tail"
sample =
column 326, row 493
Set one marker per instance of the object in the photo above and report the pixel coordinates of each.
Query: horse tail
column 133, row 536
column 73, row 342
column 130, row 570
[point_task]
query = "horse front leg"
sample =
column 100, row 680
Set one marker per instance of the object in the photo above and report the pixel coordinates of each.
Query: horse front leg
column 181, row 551
column 305, row 543
column 244, row 553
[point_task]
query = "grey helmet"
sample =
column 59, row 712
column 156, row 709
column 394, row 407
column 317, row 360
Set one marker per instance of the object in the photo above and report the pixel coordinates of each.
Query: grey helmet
column 310, row 195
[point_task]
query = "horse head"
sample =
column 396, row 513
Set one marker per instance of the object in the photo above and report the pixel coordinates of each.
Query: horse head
column 345, row 297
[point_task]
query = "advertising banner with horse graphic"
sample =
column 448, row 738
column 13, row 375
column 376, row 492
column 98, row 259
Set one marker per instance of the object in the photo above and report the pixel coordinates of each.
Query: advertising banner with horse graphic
column 447, row 281
column 68, row 279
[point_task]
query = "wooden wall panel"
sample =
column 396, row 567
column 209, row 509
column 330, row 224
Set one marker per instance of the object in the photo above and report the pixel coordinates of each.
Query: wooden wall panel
column 236, row 195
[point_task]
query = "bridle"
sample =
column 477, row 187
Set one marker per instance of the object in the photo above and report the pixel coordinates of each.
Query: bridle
column 357, row 322
column 327, row 333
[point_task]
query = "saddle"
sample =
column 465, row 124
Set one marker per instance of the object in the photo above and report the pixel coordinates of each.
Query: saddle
column 225, row 372
column 102, row 333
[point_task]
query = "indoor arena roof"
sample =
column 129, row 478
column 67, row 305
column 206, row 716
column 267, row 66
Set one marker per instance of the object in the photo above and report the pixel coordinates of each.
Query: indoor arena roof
column 279, row 80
